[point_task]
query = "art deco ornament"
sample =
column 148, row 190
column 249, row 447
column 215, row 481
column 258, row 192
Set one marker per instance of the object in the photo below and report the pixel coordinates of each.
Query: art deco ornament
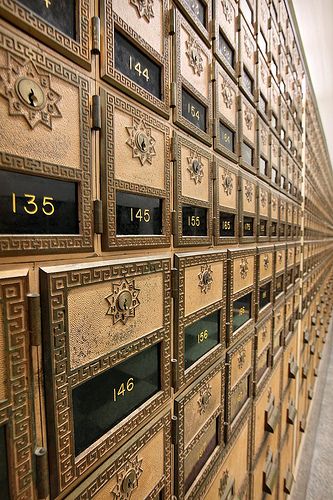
column 263, row 198
column 127, row 479
column 141, row 141
column 249, row 119
column 243, row 268
column 205, row 395
column 194, row 56
column 266, row 262
column 29, row 93
column 195, row 166
column 223, row 483
column 248, row 45
column 227, row 10
column 195, row 7
column 144, row 8
column 205, row 278
column 123, row 300
column 241, row 358
column 227, row 183
column 226, row 94
column 249, row 191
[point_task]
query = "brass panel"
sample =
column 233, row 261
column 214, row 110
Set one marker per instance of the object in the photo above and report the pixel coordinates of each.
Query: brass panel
column 226, row 201
column 115, row 292
column 265, row 474
column 130, row 169
column 243, row 279
column 76, row 47
column 198, row 411
column 225, row 43
column 263, row 150
column 263, row 93
column 247, row 135
column 192, row 75
column 52, row 142
column 200, row 292
column 263, row 332
column 265, row 263
column 229, row 475
column 198, row 13
column 140, row 469
column 147, row 33
column 247, row 207
column 225, row 114
column 15, row 385
column 192, row 187
column 247, row 60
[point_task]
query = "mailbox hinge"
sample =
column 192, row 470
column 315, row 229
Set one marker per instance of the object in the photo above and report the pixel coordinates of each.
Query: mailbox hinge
column 173, row 94
column 174, row 373
column 214, row 170
column 214, row 127
column 96, row 112
column 42, row 472
column 173, row 148
column 34, row 319
column 174, row 429
column 98, row 216
column 173, row 221
column 172, row 21
column 214, row 226
column 96, row 35
column 174, row 282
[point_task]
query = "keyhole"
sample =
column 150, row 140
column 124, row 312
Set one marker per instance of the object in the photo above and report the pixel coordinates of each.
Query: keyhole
column 143, row 145
column 125, row 305
column 32, row 98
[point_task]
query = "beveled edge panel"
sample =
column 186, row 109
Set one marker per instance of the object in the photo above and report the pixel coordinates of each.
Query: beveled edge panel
column 78, row 50
column 208, row 476
column 103, row 474
column 16, row 410
column 181, row 320
column 110, row 240
column 179, row 199
column 202, row 31
column 219, row 162
column 55, row 282
column 178, row 118
column 39, row 244
column 180, row 403
column 110, row 74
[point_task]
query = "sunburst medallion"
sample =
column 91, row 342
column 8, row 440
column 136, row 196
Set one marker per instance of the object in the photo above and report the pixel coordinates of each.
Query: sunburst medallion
column 227, row 10
column 194, row 56
column 123, row 300
column 243, row 268
column 227, row 183
column 29, row 93
column 144, row 8
column 205, row 395
column 205, row 278
column 226, row 94
column 141, row 141
column 127, row 479
column 241, row 358
column 249, row 191
column 266, row 262
column 195, row 166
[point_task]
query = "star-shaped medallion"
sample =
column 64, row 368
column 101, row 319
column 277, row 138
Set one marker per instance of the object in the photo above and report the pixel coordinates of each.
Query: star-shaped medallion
column 205, row 278
column 144, row 8
column 127, row 479
column 123, row 300
column 141, row 141
column 195, row 166
column 194, row 56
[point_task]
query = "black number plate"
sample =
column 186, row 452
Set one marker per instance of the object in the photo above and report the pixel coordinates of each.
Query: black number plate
column 134, row 64
column 227, row 225
column 262, row 104
column 279, row 285
column 201, row 337
column 103, row 401
column 227, row 137
column 31, row 204
column 264, row 295
column 59, row 13
column 136, row 214
column 241, row 311
column 247, row 153
column 194, row 221
column 227, row 51
column 274, row 228
column 248, row 226
column 4, row 482
column 198, row 10
column 263, row 227
column 193, row 111
column 248, row 82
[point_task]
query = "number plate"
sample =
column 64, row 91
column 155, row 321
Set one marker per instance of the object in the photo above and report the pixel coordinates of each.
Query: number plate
column 248, row 82
column 274, row 228
column 198, row 9
column 248, row 226
column 227, row 225
column 227, row 137
column 201, row 337
column 241, row 311
column 262, row 104
column 264, row 295
column 194, row 221
column 138, row 214
column 247, row 153
column 193, row 111
column 37, row 205
column 59, row 13
column 227, row 51
column 279, row 285
column 103, row 401
column 4, row 480
column 263, row 227
column 134, row 64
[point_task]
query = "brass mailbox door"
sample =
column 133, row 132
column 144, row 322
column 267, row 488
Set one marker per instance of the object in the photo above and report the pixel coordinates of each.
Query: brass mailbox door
column 226, row 199
column 247, row 135
column 45, row 159
column 135, row 51
column 193, row 192
column 140, row 469
column 16, row 412
column 263, row 212
column 274, row 209
column 106, row 358
column 262, row 97
column 263, row 157
column 192, row 104
column 199, row 411
column 248, row 208
column 199, row 312
column 65, row 25
column 225, row 36
column 247, row 60
column 135, row 175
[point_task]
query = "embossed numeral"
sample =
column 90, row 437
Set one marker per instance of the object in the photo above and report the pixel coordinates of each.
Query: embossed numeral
column 202, row 336
column 193, row 111
column 141, row 215
column 193, row 220
column 226, row 224
column 136, row 66
column 31, row 207
column 123, row 388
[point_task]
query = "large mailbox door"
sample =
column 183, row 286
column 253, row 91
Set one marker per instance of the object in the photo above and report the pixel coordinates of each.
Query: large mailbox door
column 107, row 358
